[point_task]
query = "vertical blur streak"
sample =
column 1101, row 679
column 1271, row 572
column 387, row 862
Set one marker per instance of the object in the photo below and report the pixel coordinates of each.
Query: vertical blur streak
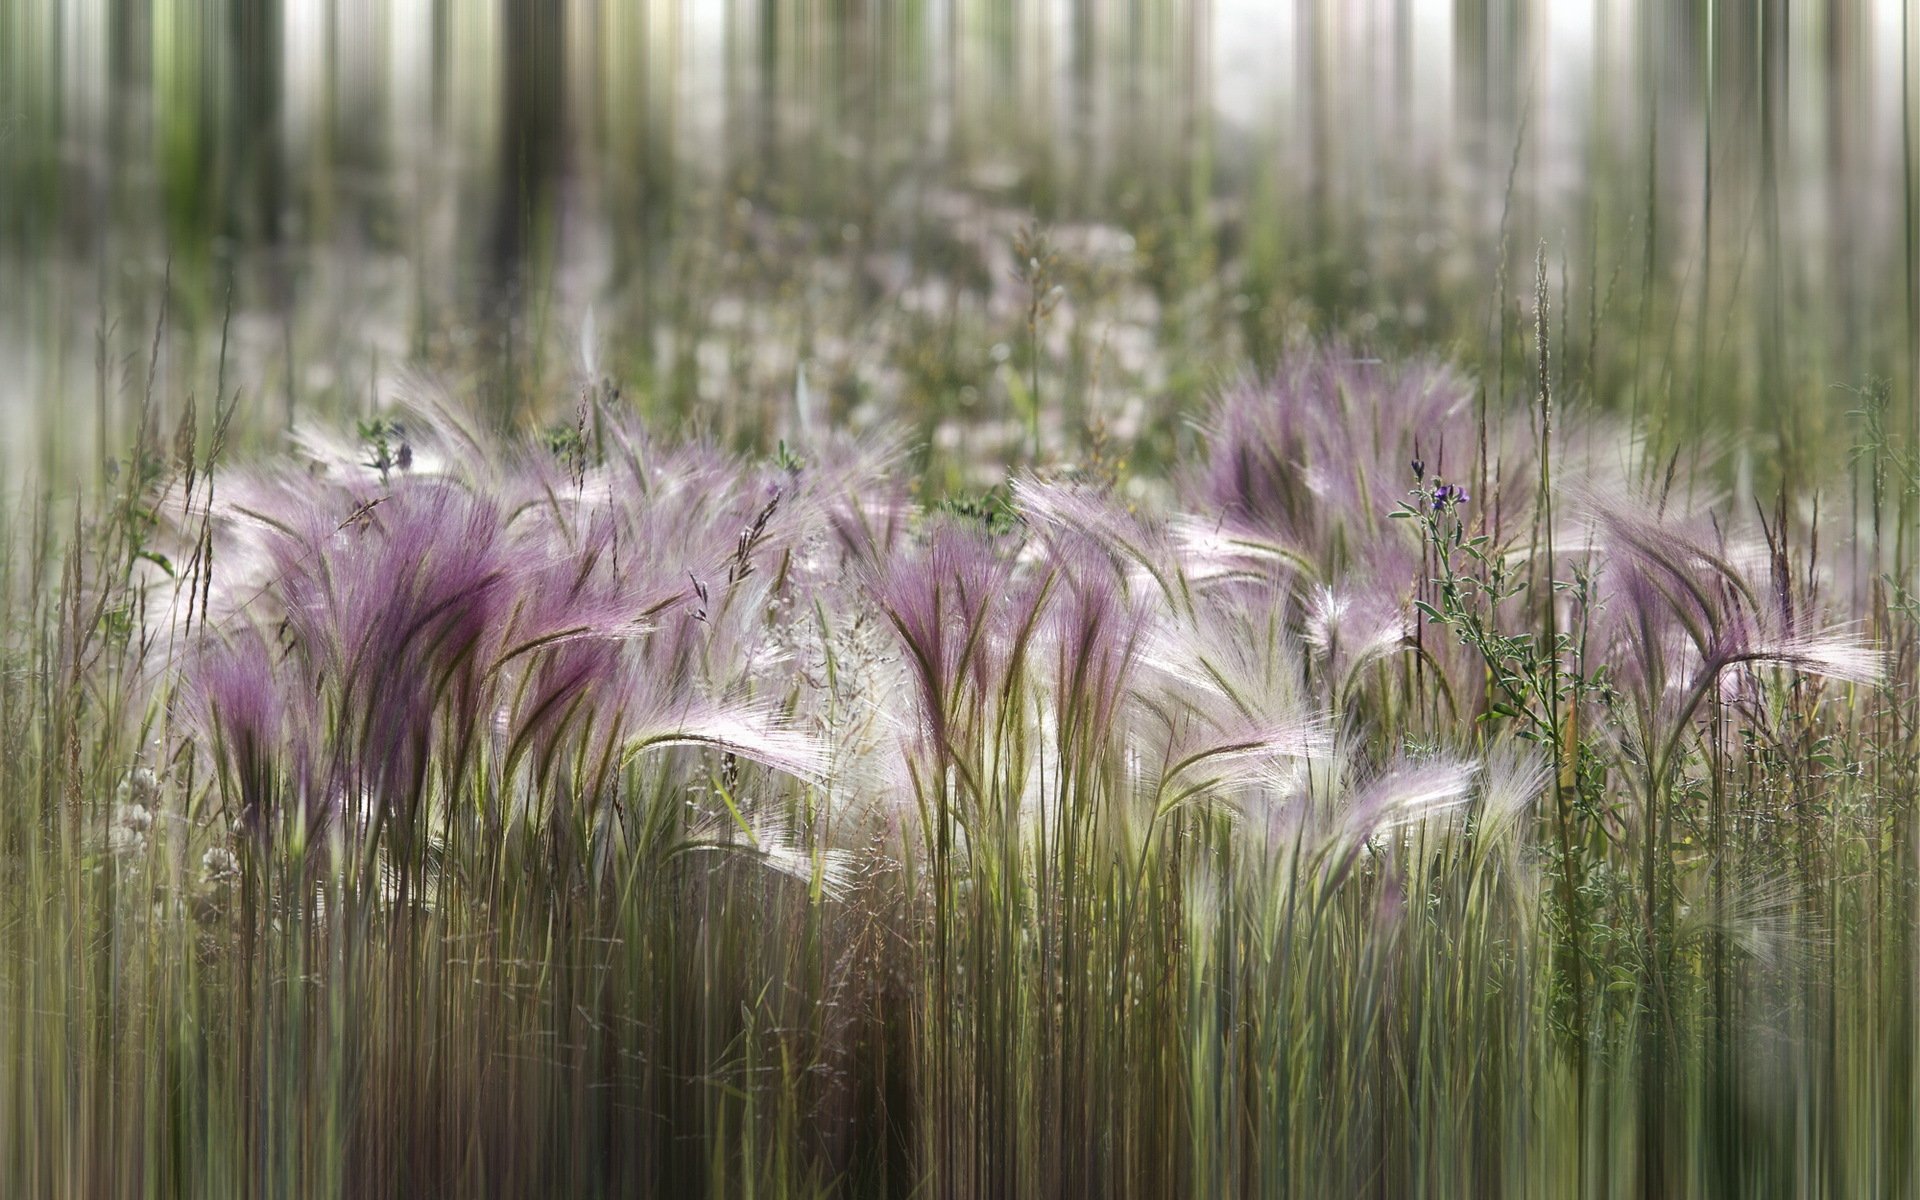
column 1728, row 184
column 533, row 137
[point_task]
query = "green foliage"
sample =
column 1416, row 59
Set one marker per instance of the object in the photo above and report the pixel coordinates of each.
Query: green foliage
column 385, row 442
column 991, row 510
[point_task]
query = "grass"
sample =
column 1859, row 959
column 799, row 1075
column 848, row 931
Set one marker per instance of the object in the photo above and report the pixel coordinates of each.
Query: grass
column 425, row 812
column 583, row 619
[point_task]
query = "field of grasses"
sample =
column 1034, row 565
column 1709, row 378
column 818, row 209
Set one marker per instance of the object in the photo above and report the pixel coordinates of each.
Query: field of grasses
column 961, row 598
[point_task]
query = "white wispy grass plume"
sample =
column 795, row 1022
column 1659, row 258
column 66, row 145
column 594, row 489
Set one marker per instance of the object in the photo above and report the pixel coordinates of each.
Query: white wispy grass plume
column 752, row 733
column 1514, row 778
column 1404, row 793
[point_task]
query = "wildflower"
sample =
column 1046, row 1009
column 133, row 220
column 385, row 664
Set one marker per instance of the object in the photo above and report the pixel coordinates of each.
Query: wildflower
column 1449, row 495
column 219, row 865
column 127, row 831
column 140, row 786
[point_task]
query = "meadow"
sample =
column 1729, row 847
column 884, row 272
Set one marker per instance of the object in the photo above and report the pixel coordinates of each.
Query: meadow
column 959, row 599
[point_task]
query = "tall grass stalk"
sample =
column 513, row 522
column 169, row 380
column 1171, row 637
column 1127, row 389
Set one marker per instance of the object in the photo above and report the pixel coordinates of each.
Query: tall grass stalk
column 418, row 810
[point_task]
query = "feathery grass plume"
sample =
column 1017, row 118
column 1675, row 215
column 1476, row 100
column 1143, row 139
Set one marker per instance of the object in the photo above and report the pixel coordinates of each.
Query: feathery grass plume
column 1504, row 862
column 1228, row 695
column 238, row 700
column 753, row 733
column 1757, row 916
column 1324, row 439
column 1349, row 629
column 948, row 602
column 1682, row 612
column 1337, row 807
column 828, row 874
column 1071, row 519
column 569, row 622
column 757, row 825
column 1513, row 778
column 1304, row 465
column 1095, row 633
column 388, row 609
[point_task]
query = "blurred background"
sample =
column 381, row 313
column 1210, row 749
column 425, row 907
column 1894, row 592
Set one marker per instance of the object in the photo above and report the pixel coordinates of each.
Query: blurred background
column 1020, row 230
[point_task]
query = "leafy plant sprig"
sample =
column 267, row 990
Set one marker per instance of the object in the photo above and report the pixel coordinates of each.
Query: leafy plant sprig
column 387, row 447
column 1529, row 675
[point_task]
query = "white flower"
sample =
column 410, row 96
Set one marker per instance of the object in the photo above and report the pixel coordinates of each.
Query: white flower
column 124, row 841
column 219, row 865
column 140, row 787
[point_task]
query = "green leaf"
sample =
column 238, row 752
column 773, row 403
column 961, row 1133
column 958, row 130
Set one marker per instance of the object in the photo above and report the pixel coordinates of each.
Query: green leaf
column 159, row 560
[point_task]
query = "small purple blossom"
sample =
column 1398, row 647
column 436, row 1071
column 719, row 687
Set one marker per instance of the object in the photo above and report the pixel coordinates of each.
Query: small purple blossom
column 1449, row 495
